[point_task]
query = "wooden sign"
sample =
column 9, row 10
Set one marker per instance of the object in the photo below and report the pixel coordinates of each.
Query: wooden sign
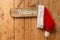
column 23, row 13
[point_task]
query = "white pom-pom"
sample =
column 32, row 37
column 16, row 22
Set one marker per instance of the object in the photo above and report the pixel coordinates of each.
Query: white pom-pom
column 46, row 34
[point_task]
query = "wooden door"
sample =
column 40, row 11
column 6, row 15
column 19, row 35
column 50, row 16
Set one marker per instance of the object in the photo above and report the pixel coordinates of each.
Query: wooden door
column 25, row 28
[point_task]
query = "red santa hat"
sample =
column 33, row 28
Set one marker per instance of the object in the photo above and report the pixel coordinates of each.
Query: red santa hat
column 44, row 20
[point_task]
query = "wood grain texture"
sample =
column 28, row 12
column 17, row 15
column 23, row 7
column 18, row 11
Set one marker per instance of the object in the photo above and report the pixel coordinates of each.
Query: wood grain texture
column 27, row 29
column 6, row 22
column 27, row 24
column 19, row 29
column 19, row 26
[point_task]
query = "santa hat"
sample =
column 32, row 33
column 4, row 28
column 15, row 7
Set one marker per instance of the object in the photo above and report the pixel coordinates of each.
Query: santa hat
column 44, row 20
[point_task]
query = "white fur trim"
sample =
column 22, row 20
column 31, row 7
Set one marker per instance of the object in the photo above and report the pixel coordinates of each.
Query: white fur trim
column 40, row 16
column 46, row 34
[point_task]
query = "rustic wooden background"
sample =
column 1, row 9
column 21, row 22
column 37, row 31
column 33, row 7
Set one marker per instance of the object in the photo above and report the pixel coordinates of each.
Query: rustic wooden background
column 25, row 28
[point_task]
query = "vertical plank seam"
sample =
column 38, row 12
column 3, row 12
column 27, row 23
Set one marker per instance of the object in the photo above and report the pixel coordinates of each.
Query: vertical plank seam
column 14, row 28
column 24, row 22
column 14, row 18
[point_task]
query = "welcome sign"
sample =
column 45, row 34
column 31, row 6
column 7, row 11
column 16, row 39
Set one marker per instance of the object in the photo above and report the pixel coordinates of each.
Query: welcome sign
column 23, row 13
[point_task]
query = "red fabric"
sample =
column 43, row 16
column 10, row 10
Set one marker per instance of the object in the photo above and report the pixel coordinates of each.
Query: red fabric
column 48, row 21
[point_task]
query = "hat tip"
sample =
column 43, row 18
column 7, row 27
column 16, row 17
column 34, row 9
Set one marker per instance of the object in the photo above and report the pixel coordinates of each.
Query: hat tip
column 46, row 34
